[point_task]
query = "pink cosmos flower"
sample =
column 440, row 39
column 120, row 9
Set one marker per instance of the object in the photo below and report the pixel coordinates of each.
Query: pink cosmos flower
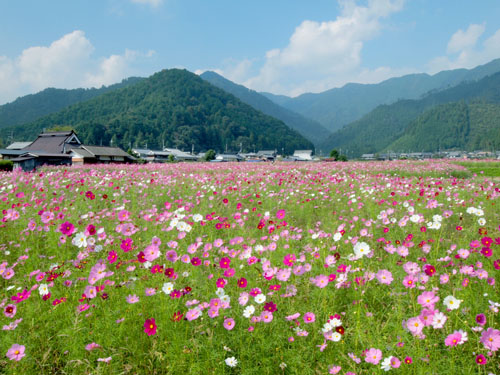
column 229, row 324
column 10, row 311
column 427, row 299
column 309, row 317
column 266, row 316
column 453, row 339
column 334, row 369
column 132, row 298
column 105, row 360
column 415, row 326
column 193, row 314
column 491, row 339
column 16, row 352
column 384, row 277
column 92, row 346
column 373, row 355
column 481, row 359
column 395, row 362
column 150, row 327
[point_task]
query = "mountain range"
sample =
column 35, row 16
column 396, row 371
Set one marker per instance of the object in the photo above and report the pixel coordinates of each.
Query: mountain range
column 456, row 109
column 340, row 106
column 173, row 108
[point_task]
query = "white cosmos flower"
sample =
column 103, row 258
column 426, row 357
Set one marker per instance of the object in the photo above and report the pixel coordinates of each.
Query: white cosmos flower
column 361, row 249
column 260, row 298
column 231, row 362
column 167, row 288
column 336, row 336
column 337, row 236
column 43, row 289
column 249, row 311
column 79, row 240
column 451, row 302
column 197, row 218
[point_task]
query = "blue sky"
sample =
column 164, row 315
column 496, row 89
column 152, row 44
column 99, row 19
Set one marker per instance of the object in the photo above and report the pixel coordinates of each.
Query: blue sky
column 281, row 46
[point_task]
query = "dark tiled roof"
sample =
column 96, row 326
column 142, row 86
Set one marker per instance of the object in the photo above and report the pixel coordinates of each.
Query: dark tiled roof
column 53, row 142
column 105, row 151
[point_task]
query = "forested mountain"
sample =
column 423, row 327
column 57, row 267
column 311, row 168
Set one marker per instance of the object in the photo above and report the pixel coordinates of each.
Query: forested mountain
column 31, row 107
column 339, row 106
column 310, row 129
column 173, row 108
column 458, row 126
column 383, row 126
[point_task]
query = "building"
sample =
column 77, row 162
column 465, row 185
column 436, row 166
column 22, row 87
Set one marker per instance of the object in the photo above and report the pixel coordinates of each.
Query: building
column 303, row 155
column 63, row 148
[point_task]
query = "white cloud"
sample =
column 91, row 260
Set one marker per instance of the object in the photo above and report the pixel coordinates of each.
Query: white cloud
column 66, row 63
column 465, row 50
column 462, row 40
column 153, row 3
column 322, row 54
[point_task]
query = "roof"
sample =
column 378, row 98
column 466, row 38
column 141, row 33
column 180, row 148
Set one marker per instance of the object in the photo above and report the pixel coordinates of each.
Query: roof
column 32, row 155
column 5, row 151
column 105, row 151
column 54, row 142
column 18, row 145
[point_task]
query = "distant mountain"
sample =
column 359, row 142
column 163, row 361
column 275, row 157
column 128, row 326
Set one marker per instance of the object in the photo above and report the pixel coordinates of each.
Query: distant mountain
column 310, row 129
column 339, row 106
column 382, row 127
column 31, row 107
column 173, row 108
column 458, row 126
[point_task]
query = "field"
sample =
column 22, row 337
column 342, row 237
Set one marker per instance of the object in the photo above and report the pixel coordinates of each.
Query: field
column 249, row 268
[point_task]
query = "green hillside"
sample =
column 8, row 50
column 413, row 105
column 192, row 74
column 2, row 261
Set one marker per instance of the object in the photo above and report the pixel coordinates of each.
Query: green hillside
column 380, row 128
column 310, row 129
column 459, row 126
column 173, row 108
column 340, row 106
column 31, row 107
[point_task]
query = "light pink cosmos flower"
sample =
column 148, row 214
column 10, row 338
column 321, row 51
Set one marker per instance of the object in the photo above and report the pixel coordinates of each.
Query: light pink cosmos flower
column 16, row 352
column 266, row 316
column 373, row 355
column 427, row 299
column 10, row 311
column 415, row 326
column 92, row 346
column 105, row 360
column 132, row 298
column 384, row 277
column 193, row 314
column 491, row 339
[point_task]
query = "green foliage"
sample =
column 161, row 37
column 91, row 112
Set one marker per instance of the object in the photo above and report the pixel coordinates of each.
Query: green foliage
column 6, row 165
column 334, row 154
column 310, row 129
column 31, row 107
column 173, row 107
column 382, row 128
column 209, row 155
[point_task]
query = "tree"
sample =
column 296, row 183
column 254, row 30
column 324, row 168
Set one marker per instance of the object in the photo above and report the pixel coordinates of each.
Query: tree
column 334, row 154
column 209, row 155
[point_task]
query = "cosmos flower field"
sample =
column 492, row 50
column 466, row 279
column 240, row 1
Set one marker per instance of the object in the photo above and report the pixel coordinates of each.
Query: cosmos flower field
column 290, row 268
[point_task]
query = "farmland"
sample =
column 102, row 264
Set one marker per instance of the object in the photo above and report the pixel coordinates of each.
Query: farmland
column 243, row 268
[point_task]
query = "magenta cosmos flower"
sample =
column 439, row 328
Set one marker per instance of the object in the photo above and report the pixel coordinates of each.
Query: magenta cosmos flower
column 373, row 355
column 16, row 352
column 67, row 228
column 150, row 327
